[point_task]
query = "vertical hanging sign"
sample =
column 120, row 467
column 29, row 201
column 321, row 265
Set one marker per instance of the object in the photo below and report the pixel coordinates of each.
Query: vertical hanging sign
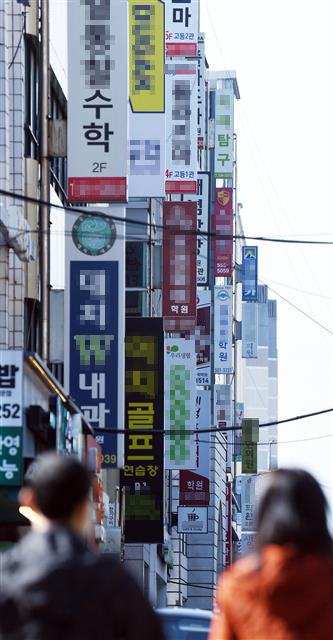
column 179, row 402
column 250, row 330
column 250, row 439
column 203, row 337
column 223, row 229
column 201, row 92
column 143, row 473
column 94, row 324
column 11, row 417
column 182, row 23
column 223, row 329
column 147, row 99
column 249, row 274
column 98, row 93
column 179, row 266
column 224, row 133
column 194, row 485
column 181, row 127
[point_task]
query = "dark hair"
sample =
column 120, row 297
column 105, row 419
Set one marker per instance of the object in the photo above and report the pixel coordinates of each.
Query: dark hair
column 60, row 484
column 292, row 510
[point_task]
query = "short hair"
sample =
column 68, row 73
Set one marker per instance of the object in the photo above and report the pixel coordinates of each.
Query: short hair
column 292, row 510
column 60, row 484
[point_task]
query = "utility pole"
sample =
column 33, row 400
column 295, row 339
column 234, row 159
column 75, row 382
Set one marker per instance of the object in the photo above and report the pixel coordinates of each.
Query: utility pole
column 44, row 231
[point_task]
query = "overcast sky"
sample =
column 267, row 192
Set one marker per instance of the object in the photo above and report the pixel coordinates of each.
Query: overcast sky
column 282, row 54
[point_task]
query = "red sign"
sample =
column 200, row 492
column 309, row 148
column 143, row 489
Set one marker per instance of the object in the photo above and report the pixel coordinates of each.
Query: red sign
column 179, row 266
column 193, row 489
column 181, row 49
column 223, row 228
column 97, row 190
column 182, row 186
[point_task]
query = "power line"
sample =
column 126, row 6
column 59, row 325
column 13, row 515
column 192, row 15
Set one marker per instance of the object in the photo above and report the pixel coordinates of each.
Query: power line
column 181, row 582
column 300, row 310
column 216, row 429
column 240, row 444
column 98, row 214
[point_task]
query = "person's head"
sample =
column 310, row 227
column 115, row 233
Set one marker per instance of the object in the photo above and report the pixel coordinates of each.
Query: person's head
column 292, row 510
column 56, row 488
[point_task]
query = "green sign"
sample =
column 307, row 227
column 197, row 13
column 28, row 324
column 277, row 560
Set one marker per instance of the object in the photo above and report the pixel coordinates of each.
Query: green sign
column 249, row 457
column 11, row 456
column 250, row 437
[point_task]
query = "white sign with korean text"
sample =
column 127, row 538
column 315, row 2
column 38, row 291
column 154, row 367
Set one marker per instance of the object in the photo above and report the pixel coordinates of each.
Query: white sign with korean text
column 181, row 126
column 203, row 422
column 192, row 520
column 146, row 152
column 180, row 403
column 201, row 92
column 248, row 494
column 250, row 329
column 11, row 388
column 98, row 95
column 224, row 133
column 223, row 360
column 181, row 27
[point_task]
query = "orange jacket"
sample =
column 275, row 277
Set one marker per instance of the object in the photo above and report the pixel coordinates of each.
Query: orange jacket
column 280, row 595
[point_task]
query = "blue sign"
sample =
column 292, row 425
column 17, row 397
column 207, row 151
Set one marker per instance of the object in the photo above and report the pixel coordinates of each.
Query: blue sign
column 94, row 372
column 249, row 274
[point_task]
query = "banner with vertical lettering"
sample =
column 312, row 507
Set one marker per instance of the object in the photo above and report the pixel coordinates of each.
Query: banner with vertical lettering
column 182, row 24
column 98, row 93
column 95, row 323
column 180, row 401
column 223, row 229
column 179, row 266
column 181, row 126
column 143, row 474
column 147, row 99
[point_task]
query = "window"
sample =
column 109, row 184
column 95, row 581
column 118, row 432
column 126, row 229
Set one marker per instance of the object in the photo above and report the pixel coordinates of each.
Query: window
column 58, row 111
column 31, row 100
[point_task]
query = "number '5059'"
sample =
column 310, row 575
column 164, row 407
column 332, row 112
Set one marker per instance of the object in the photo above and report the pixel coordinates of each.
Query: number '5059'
column 9, row 410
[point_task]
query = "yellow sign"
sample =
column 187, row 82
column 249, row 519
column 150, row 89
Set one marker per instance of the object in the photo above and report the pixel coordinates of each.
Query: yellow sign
column 146, row 55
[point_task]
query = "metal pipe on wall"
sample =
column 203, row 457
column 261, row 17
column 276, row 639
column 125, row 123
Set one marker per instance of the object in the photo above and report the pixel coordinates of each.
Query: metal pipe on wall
column 44, row 215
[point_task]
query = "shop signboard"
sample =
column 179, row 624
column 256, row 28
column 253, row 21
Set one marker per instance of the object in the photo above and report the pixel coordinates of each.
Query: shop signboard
column 94, row 323
column 248, row 502
column 203, row 337
column 224, row 133
column 239, row 415
column 179, row 266
column 181, row 126
column 250, row 439
column 179, row 403
column 249, row 274
column 11, row 388
column 194, row 485
column 223, row 230
column 182, row 24
column 223, row 361
column 11, row 417
column 250, row 330
column 192, row 520
column 147, row 99
column 223, row 416
column 142, row 477
column 98, row 91
column 202, row 112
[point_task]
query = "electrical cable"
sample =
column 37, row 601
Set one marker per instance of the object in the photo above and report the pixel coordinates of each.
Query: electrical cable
column 82, row 211
column 328, row 435
column 216, row 429
column 300, row 310
column 183, row 583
